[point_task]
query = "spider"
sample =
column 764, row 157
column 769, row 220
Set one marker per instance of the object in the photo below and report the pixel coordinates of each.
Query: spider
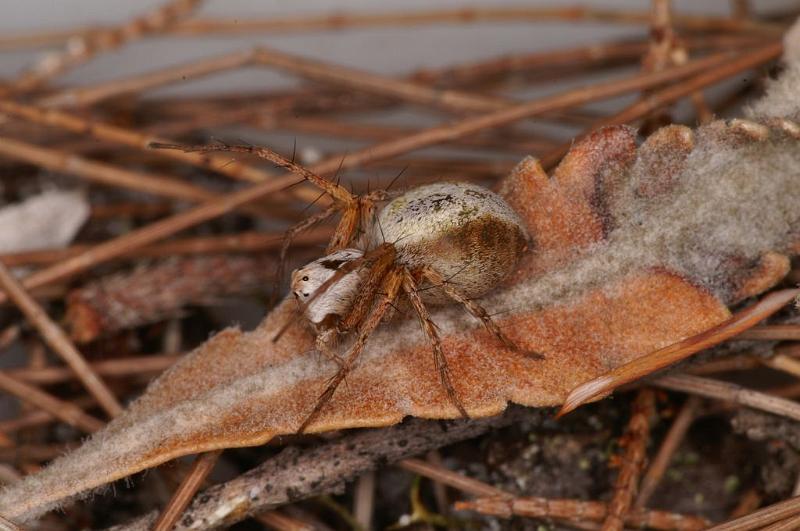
column 447, row 242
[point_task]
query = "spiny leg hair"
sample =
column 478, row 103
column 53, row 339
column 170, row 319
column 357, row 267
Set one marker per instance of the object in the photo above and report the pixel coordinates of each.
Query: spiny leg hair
column 391, row 285
column 429, row 327
column 475, row 309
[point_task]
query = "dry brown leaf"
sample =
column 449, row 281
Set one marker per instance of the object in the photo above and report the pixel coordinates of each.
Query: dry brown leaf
column 615, row 274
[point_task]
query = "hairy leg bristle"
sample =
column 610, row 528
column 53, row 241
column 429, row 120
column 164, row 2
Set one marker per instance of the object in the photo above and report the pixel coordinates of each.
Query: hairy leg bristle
column 391, row 285
column 474, row 309
column 429, row 327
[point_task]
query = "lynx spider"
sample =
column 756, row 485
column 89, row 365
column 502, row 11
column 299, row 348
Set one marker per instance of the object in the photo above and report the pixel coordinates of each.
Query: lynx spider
column 438, row 243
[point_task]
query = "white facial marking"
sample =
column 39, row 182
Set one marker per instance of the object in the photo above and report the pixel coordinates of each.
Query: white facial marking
column 338, row 298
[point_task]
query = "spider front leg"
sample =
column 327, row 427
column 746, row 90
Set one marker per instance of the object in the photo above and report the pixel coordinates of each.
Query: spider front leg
column 475, row 309
column 381, row 259
column 412, row 291
column 391, row 284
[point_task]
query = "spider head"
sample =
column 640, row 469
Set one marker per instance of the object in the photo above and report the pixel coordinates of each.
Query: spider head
column 337, row 297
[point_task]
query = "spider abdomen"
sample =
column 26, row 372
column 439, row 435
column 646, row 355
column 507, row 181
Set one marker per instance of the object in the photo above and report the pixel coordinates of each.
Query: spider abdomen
column 465, row 232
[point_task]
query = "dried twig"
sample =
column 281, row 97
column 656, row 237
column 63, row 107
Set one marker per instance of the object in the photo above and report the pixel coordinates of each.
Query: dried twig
column 580, row 511
column 201, row 468
column 635, row 442
column 668, row 448
column 131, row 366
column 762, row 517
column 470, row 15
column 89, row 44
column 243, row 242
column 62, row 410
column 730, row 392
column 295, row 474
column 59, row 342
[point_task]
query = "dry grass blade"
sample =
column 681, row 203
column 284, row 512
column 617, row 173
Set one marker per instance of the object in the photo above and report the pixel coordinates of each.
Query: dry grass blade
column 152, row 364
column 384, row 86
column 669, row 446
column 281, row 522
column 664, row 357
column 452, row 479
column 102, row 91
column 790, row 524
column 62, row 410
column 58, row 340
column 785, row 332
column 468, row 15
column 763, row 517
column 732, row 393
column 578, row 511
column 54, row 160
column 635, row 440
column 200, row 469
column 242, row 242
column 128, row 137
column 106, row 39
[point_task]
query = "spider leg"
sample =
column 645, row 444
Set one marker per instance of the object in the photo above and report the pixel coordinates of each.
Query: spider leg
column 475, row 309
column 333, row 189
column 410, row 288
column 325, row 344
column 371, row 285
column 391, row 284
column 365, row 261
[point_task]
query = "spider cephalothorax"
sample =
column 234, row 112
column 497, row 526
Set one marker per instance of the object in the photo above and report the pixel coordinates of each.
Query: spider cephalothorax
column 438, row 243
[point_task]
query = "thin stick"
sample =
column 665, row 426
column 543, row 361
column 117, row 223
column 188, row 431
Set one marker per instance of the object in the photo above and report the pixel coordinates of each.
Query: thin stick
column 281, row 522
column 201, row 468
column 579, row 511
column 131, row 138
column 58, row 340
column 9, row 525
column 452, row 479
column 636, row 438
column 471, row 15
column 777, row 332
column 243, row 242
column 501, row 503
column 60, row 409
column 675, row 92
column 669, row 446
column 782, row 362
column 730, row 392
column 103, row 40
column 790, row 524
column 58, row 161
column 96, row 93
column 762, row 517
column 364, row 500
column 40, row 417
column 133, row 366
column 167, row 227
column 360, row 80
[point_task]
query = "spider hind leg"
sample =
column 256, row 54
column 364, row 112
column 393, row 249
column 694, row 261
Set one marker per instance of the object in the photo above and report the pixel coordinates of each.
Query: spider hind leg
column 475, row 309
column 429, row 327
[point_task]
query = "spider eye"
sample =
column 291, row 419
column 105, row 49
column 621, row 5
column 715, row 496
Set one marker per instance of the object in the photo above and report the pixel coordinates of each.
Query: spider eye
column 305, row 294
column 305, row 278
